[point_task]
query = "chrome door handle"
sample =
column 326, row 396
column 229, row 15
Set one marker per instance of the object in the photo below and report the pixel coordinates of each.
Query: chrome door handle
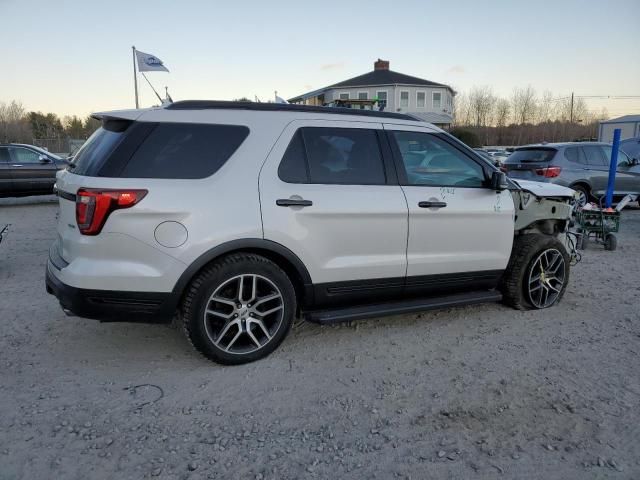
column 17, row 165
column 432, row 204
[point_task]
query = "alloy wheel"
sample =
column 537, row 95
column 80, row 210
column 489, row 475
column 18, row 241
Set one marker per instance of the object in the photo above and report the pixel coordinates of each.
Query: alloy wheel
column 581, row 199
column 243, row 314
column 546, row 278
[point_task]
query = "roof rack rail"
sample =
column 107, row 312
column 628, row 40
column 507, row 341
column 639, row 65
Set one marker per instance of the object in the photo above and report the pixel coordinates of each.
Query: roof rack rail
column 284, row 107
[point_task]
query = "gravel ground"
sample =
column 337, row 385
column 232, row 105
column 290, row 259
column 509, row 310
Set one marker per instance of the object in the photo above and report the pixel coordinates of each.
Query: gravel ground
column 475, row 392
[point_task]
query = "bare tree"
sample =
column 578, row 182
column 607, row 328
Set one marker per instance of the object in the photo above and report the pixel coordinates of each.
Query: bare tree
column 481, row 104
column 524, row 105
column 462, row 112
column 502, row 112
column 14, row 124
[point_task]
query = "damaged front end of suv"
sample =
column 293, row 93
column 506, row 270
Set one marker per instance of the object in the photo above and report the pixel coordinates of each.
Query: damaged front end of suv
column 542, row 208
column 543, row 247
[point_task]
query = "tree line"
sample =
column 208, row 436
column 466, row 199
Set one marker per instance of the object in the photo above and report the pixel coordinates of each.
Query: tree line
column 482, row 117
column 524, row 117
column 19, row 126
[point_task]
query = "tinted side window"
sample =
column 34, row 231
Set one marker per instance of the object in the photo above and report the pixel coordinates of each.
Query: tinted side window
column 574, row 154
column 4, row 155
column 293, row 167
column 24, row 155
column 348, row 156
column 181, row 150
column 623, row 159
column 429, row 160
column 594, row 155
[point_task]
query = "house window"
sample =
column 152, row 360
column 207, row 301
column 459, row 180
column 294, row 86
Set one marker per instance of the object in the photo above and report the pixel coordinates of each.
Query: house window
column 344, row 96
column 437, row 100
column 404, row 99
column 421, row 99
column 382, row 99
column 363, row 95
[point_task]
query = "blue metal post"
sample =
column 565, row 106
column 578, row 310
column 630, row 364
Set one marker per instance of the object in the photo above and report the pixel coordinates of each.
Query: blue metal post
column 612, row 167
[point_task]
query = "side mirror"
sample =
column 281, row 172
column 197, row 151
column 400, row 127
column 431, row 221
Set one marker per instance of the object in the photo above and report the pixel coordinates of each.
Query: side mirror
column 499, row 181
column 44, row 159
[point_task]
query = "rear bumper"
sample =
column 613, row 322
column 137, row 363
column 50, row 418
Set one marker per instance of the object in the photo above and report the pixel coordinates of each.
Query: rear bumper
column 109, row 305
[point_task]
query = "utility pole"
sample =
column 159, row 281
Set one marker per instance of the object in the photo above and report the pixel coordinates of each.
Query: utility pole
column 571, row 114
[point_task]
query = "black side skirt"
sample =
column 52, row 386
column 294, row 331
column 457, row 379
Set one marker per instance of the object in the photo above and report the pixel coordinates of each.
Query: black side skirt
column 401, row 307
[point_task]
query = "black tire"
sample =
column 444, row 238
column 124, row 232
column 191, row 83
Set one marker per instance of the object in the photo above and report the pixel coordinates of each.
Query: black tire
column 610, row 242
column 199, row 327
column 583, row 190
column 526, row 250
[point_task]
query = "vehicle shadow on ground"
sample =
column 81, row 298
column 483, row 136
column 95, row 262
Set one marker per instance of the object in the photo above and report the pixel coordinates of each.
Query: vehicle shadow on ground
column 160, row 345
column 27, row 201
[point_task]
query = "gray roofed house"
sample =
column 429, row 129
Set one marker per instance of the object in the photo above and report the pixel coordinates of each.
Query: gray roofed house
column 395, row 92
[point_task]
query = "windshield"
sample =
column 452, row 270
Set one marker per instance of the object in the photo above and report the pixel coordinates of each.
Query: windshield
column 531, row 155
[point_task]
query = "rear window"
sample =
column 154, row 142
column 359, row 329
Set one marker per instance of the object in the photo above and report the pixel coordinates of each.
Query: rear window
column 95, row 151
column 575, row 155
column 531, row 155
column 158, row 150
column 180, row 150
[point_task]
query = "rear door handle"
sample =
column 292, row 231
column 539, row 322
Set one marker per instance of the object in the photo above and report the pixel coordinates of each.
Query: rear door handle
column 16, row 165
column 432, row 204
column 290, row 202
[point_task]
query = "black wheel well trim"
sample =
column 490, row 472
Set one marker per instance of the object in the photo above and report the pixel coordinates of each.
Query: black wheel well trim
column 581, row 183
column 276, row 252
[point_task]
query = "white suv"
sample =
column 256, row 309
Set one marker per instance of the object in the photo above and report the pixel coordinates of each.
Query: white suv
column 240, row 216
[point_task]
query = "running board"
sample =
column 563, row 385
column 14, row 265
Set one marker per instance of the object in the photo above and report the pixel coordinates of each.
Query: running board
column 401, row 307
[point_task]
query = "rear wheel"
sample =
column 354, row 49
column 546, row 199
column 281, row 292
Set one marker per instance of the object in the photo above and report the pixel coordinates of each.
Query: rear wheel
column 239, row 309
column 537, row 274
column 582, row 195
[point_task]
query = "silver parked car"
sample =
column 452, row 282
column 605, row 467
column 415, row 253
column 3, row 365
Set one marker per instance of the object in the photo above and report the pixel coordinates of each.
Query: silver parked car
column 583, row 166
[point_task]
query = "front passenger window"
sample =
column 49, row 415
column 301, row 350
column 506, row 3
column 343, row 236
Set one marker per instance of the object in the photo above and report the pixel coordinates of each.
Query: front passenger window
column 429, row 160
column 24, row 155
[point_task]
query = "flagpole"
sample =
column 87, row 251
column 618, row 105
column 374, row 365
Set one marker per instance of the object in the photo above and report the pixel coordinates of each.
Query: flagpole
column 135, row 76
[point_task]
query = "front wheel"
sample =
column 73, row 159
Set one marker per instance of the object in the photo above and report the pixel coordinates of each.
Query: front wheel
column 537, row 274
column 239, row 309
column 610, row 242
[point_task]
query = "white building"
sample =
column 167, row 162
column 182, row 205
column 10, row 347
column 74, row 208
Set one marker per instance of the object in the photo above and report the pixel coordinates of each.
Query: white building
column 395, row 92
column 629, row 124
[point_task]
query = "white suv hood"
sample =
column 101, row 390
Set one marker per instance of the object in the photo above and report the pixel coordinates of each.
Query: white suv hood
column 542, row 189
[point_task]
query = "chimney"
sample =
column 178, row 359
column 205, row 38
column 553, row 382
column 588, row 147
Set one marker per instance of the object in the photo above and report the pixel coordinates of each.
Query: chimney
column 381, row 65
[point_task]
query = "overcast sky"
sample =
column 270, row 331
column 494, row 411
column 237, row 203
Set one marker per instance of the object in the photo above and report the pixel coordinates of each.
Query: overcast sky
column 74, row 56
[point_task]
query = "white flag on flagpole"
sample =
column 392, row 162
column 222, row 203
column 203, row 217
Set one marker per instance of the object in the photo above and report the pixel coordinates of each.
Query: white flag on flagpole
column 149, row 63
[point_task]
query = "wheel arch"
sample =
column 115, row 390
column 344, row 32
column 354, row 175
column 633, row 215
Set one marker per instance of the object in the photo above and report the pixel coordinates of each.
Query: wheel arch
column 277, row 253
column 582, row 183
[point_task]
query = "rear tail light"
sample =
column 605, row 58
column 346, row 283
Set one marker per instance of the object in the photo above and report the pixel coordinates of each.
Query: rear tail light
column 93, row 206
column 549, row 172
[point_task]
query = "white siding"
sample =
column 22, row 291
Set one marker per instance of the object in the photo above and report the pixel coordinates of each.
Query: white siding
column 629, row 130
